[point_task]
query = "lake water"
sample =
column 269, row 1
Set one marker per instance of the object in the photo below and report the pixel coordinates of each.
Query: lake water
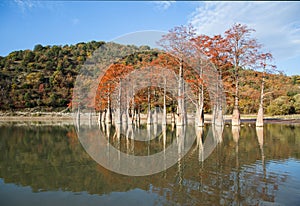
column 48, row 165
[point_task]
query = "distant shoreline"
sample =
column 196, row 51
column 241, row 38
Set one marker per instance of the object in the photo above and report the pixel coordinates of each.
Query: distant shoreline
column 68, row 117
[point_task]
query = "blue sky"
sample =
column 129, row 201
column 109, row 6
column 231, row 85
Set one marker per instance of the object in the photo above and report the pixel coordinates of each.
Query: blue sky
column 25, row 23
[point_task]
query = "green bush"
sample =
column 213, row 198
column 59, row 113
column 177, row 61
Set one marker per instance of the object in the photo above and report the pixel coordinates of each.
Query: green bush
column 280, row 106
column 284, row 105
column 297, row 103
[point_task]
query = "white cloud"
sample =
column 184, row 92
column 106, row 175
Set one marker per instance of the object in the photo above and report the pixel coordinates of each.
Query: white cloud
column 26, row 4
column 277, row 24
column 29, row 5
column 163, row 5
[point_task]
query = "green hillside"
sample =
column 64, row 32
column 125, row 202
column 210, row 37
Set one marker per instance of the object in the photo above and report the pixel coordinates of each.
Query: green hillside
column 42, row 79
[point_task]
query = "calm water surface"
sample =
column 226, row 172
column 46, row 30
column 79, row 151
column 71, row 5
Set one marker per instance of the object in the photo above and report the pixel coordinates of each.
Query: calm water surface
column 47, row 165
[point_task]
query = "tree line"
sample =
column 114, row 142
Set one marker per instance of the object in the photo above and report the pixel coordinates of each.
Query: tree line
column 42, row 79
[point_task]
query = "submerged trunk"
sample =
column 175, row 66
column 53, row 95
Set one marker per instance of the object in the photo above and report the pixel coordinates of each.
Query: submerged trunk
column 200, row 116
column 90, row 117
column 78, row 116
column 173, row 117
column 108, row 116
column 155, row 116
column 236, row 118
column 138, row 116
column 118, row 116
column 260, row 115
column 103, row 116
column 99, row 116
column 213, row 119
column 129, row 119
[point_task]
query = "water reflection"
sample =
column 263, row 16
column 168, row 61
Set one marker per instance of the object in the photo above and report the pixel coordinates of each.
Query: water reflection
column 248, row 167
column 142, row 150
column 159, row 145
column 200, row 136
column 236, row 137
column 260, row 138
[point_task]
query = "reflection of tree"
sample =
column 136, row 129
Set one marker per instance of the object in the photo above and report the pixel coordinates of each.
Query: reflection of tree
column 199, row 134
column 260, row 138
column 236, row 178
column 51, row 158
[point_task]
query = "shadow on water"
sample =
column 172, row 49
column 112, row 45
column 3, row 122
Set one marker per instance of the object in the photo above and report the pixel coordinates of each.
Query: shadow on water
column 234, row 166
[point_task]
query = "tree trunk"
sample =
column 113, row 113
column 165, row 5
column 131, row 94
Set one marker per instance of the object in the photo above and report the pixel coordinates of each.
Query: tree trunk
column 180, row 107
column 133, row 115
column 173, row 117
column 200, row 112
column 149, row 115
column 138, row 116
column 129, row 119
column 108, row 116
column 236, row 118
column 103, row 116
column 90, row 117
column 78, row 116
column 155, row 116
column 118, row 131
column 99, row 116
column 124, row 118
column 108, row 112
column 118, row 114
column 218, row 107
column 133, row 111
column 164, row 117
column 260, row 115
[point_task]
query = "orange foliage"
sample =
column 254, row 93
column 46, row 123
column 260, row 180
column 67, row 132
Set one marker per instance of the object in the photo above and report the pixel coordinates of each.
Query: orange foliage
column 117, row 71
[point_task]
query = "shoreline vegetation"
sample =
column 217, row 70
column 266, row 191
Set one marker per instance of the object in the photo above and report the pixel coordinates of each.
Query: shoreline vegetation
column 68, row 117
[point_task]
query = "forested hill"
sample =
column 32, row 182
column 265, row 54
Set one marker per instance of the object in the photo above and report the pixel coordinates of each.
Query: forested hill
column 42, row 79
